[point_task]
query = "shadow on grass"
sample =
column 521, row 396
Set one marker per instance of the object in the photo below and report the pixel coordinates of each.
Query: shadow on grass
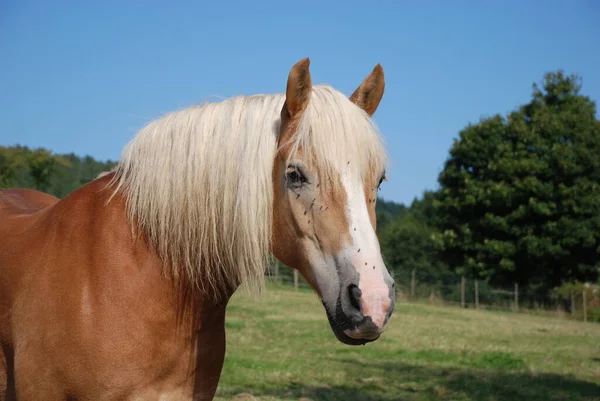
column 401, row 381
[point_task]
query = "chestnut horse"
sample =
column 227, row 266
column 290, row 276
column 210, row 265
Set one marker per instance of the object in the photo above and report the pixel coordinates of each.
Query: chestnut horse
column 118, row 291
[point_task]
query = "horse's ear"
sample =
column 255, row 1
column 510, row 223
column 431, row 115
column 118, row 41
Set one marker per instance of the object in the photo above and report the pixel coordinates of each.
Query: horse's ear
column 299, row 87
column 368, row 95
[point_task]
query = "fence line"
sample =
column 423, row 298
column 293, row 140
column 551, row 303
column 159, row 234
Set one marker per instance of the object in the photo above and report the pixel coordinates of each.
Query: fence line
column 478, row 294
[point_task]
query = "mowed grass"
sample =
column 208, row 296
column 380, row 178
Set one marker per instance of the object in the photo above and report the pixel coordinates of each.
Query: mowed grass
column 281, row 348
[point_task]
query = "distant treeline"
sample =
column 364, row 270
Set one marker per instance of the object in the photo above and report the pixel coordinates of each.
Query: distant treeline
column 39, row 169
column 518, row 200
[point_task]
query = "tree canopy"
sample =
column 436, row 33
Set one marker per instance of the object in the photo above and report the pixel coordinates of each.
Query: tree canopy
column 42, row 170
column 519, row 197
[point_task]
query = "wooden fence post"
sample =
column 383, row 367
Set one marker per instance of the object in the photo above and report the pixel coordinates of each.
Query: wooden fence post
column 413, row 280
column 397, row 288
column 476, row 294
column 295, row 279
column 516, row 296
column 462, row 292
column 584, row 306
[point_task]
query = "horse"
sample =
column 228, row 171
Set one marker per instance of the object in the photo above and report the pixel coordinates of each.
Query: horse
column 118, row 291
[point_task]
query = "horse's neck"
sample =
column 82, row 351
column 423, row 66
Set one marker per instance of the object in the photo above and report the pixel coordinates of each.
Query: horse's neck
column 108, row 212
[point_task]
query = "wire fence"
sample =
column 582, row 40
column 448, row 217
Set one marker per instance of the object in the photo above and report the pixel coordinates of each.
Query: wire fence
column 579, row 304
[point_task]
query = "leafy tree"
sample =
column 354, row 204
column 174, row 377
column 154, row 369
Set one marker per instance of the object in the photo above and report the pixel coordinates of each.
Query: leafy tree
column 520, row 195
column 385, row 211
column 11, row 160
column 424, row 209
column 39, row 169
column 408, row 244
column 42, row 165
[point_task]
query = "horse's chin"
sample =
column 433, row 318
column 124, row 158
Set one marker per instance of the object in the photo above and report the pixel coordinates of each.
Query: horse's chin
column 341, row 336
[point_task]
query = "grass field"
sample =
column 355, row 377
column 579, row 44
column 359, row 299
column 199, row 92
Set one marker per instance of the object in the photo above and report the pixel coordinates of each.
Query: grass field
column 281, row 348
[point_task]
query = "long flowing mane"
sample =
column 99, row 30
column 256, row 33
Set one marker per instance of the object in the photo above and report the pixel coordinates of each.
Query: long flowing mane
column 198, row 181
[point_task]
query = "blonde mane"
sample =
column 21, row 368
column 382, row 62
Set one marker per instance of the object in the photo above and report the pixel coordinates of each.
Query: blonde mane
column 198, row 182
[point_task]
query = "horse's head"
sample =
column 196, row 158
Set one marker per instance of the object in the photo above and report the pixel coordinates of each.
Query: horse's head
column 329, row 165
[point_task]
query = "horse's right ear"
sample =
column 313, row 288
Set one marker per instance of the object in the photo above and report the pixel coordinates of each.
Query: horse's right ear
column 368, row 95
column 299, row 88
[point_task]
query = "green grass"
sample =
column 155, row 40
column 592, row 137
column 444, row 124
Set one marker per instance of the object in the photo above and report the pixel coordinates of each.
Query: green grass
column 281, row 348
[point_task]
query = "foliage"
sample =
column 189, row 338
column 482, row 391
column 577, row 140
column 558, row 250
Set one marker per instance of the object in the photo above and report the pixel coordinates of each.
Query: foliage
column 40, row 169
column 42, row 166
column 385, row 211
column 520, row 195
column 567, row 290
column 407, row 243
column 594, row 314
column 11, row 161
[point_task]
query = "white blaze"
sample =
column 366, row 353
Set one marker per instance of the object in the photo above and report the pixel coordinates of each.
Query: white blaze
column 365, row 255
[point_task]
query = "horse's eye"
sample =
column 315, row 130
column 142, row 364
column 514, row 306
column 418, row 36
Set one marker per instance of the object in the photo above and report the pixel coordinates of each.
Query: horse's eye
column 294, row 176
column 383, row 178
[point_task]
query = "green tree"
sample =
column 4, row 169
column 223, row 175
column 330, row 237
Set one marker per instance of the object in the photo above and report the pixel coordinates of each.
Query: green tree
column 408, row 244
column 11, row 160
column 59, row 175
column 385, row 211
column 520, row 195
column 42, row 165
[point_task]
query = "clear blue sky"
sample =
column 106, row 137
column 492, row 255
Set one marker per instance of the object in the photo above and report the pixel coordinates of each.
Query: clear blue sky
column 81, row 76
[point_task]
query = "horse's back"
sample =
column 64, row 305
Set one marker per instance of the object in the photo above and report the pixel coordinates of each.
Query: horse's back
column 18, row 211
column 23, row 201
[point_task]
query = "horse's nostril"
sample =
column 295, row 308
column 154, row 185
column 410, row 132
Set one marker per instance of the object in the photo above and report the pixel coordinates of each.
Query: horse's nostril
column 355, row 293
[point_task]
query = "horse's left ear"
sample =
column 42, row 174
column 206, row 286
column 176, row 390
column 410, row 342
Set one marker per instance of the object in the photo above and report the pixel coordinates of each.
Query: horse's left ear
column 299, row 87
column 369, row 93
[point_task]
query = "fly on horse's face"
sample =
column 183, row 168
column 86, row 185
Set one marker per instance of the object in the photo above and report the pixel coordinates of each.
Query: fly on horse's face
column 324, row 222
